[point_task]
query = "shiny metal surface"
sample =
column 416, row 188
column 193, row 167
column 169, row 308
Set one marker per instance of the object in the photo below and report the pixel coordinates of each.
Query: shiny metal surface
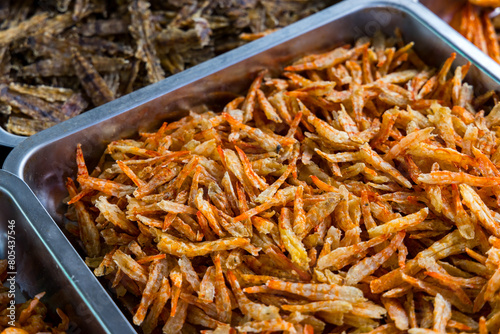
column 46, row 261
column 46, row 159
column 8, row 139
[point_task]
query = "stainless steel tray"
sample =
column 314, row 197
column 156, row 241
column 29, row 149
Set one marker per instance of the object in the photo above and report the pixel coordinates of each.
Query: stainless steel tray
column 45, row 261
column 46, row 159
column 8, row 139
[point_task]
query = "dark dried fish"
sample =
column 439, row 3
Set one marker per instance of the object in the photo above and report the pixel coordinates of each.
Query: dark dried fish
column 27, row 127
column 75, row 105
column 5, row 109
column 128, row 44
column 174, row 38
column 5, row 64
column 99, row 45
column 18, row 13
column 113, row 82
column 23, row 29
column 47, row 68
column 32, row 106
column 81, row 6
column 105, row 27
column 94, row 85
column 48, row 93
column 142, row 31
column 132, row 76
column 50, row 46
column 173, row 62
column 56, row 24
column 217, row 22
column 44, row 45
column 61, row 22
column 257, row 17
column 62, row 67
column 40, row 23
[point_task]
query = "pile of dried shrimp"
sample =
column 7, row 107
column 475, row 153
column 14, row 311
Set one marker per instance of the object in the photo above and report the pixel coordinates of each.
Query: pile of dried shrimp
column 357, row 191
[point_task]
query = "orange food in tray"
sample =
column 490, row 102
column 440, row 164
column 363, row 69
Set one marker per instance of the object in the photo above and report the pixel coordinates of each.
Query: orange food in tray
column 356, row 191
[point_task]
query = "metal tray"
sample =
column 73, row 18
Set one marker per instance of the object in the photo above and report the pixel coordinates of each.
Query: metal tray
column 44, row 160
column 8, row 139
column 45, row 261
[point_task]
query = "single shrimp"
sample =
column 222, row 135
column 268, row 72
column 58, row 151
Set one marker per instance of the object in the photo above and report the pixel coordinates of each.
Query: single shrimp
column 222, row 299
column 318, row 291
column 108, row 187
column 249, row 102
column 88, row 230
column 130, row 267
column 267, row 107
column 254, row 310
column 156, row 271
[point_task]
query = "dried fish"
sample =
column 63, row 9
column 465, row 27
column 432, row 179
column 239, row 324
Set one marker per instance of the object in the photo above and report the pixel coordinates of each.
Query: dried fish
column 49, row 46
column 57, row 24
column 48, row 93
column 75, row 105
column 91, row 80
column 63, row 67
column 27, row 127
column 174, row 38
column 111, row 27
column 130, row 44
column 32, row 106
column 23, row 29
column 142, row 30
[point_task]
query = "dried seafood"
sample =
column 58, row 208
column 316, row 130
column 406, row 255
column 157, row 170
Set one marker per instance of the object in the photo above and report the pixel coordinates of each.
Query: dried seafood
column 97, row 50
column 356, row 192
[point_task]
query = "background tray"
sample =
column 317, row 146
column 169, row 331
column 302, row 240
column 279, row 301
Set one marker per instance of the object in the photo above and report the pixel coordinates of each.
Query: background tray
column 45, row 262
